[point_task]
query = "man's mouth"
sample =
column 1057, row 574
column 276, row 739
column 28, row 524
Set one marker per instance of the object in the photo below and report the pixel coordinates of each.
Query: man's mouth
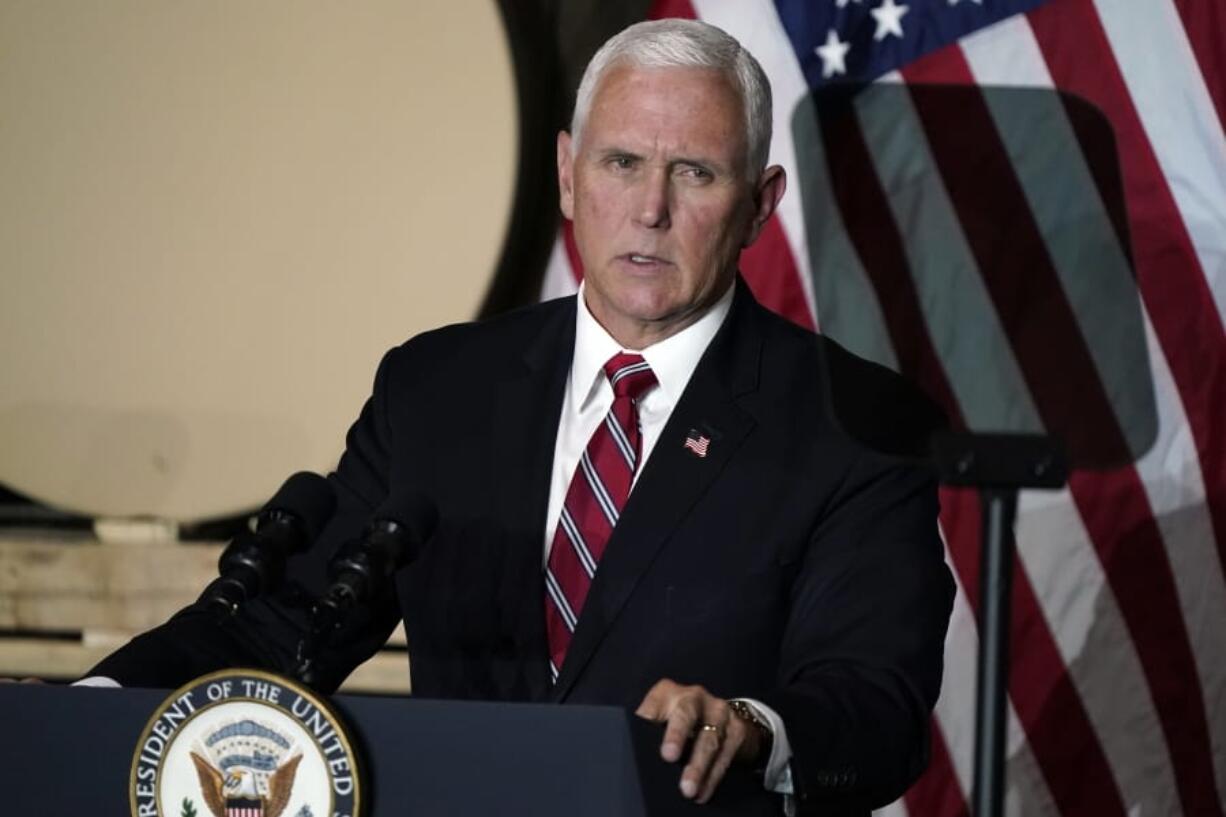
column 640, row 259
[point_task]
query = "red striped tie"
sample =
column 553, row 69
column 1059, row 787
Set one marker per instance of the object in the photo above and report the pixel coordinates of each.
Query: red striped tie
column 597, row 494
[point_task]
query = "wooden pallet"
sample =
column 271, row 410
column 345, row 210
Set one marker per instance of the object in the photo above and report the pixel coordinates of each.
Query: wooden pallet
column 68, row 599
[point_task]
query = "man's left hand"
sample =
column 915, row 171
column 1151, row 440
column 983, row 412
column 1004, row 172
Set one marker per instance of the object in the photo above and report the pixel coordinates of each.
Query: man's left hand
column 718, row 736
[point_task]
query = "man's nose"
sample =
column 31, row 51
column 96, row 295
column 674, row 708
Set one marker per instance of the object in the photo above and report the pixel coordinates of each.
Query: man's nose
column 653, row 194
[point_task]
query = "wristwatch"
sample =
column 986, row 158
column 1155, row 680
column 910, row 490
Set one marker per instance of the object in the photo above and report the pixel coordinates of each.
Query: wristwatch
column 747, row 713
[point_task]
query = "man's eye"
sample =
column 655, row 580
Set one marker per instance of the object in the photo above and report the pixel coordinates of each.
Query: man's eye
column 621, row 162
column 697, row 173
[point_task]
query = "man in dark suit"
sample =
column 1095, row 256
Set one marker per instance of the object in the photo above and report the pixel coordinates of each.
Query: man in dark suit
column 642, row 498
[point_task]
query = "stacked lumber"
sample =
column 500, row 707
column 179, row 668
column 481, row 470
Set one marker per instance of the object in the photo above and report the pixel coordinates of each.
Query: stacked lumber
column 68, row 598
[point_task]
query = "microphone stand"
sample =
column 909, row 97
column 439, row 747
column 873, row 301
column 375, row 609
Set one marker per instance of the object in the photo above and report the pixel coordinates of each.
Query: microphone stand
column 998, row 465
column 327, row 616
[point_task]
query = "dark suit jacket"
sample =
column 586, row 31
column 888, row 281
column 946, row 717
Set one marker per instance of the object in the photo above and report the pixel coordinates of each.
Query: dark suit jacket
column 791, row 564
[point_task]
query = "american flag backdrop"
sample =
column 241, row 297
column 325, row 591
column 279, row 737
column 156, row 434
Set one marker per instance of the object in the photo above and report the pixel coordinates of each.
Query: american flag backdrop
column 1117, row 690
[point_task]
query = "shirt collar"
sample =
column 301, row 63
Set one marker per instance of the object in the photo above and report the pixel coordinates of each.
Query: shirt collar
column 673, row 359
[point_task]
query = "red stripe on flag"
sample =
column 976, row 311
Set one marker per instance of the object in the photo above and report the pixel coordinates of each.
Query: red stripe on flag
column 770, row 270
column 878, row 244
column 1125, row 533
column 937, row 793
column 1204, row 22
column 672, row 8
column 1172, row 283
column 1132, row 554
column 1061, row 738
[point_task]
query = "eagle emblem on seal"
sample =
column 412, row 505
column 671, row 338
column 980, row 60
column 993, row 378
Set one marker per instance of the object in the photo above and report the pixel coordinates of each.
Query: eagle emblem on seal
column 241, row 770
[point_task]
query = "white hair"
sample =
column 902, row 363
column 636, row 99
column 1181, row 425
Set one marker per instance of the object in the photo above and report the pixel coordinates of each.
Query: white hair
column 675, row 43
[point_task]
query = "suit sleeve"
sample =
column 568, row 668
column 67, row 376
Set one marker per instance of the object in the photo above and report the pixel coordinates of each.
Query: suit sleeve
column 861, row 658
column 266, row 632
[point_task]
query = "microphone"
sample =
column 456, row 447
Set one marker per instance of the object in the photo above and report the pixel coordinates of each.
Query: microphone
column 392, row 539
column 254, row 561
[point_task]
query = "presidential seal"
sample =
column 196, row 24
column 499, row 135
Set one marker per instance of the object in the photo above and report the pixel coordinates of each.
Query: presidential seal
column 244, row 743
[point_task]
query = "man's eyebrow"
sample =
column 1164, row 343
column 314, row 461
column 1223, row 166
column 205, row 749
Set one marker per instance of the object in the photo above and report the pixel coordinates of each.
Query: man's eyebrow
column 699, row 161
column 610, row 152
column 693, row 160
column 613, row 151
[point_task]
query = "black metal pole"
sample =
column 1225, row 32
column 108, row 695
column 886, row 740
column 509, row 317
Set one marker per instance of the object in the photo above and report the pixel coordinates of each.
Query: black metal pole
column 995, row 592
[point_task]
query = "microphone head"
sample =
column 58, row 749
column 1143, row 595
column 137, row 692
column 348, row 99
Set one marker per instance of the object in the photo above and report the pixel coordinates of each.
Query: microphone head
column 254, row 563
column 363, row 567
column 393, row 538
column 306, row 496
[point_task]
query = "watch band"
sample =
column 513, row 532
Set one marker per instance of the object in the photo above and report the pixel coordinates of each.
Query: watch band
column 750, row 715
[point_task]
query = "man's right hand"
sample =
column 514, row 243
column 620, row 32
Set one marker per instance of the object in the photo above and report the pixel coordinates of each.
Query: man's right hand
column 705, row 721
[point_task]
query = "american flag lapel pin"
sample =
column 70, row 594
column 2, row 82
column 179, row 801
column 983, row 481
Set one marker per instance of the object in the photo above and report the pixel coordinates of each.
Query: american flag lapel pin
column 697, row 443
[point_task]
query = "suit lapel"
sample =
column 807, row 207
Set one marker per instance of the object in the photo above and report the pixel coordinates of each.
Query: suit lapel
column 529, row 402
column 674, row 477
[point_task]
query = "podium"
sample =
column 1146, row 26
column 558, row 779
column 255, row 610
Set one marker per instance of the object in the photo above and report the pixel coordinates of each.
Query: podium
column 68, row 751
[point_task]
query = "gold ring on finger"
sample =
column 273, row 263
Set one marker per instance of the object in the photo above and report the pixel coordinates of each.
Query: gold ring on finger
column 718, row 730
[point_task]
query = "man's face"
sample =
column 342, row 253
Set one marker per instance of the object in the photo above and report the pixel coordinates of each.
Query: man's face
column 661, row 199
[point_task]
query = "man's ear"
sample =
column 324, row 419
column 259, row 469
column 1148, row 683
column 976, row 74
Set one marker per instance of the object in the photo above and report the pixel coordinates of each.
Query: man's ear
column 566, row 176
column 766, row 198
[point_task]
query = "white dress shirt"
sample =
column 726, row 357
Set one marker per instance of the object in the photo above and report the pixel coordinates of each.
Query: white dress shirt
column 585, row 402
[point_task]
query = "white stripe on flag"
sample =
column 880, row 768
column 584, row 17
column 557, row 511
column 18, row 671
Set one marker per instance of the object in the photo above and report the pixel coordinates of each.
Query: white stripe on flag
column 955, row 709
column 1096, row 647
column 951, row 291
column 1007, row 55
column 559, row 278
column 1165, row 83
column 895, row 809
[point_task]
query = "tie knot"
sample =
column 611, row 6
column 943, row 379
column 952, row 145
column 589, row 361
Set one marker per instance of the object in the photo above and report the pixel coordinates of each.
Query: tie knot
column 629, row 375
